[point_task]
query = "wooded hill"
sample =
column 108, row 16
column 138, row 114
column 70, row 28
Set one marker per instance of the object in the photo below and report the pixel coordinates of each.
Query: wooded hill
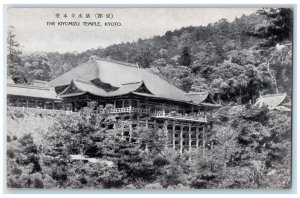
column 233, row 60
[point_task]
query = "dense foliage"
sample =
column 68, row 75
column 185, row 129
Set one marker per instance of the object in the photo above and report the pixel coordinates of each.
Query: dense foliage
column 245, row 148
column 233, row 60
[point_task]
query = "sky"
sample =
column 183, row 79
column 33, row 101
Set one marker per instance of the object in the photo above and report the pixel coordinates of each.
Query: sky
column 35, row 31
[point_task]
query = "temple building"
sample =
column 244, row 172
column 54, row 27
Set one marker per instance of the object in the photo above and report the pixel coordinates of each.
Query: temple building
column 30, row 96
column 135, row 95
column 277, row 101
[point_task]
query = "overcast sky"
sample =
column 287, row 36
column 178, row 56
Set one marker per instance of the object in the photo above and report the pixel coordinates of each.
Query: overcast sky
column 34, row 35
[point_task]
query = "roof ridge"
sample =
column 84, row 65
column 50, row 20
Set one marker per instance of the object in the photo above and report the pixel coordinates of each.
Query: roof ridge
column 118, row 62
column 277, row 94
column 29, row 86
column 81, row 65
column 197, row 93
column 164, row 79
column 129, row 83
column 79, row 80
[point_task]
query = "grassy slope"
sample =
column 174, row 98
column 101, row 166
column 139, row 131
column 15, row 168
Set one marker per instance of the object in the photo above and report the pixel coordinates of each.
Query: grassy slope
column 19, row 123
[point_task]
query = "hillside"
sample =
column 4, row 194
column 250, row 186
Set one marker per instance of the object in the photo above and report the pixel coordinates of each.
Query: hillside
column 233, row 60
column 245, row 148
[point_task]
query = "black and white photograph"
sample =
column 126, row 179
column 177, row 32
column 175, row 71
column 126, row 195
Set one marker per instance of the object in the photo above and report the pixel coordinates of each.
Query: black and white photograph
column 149, row 98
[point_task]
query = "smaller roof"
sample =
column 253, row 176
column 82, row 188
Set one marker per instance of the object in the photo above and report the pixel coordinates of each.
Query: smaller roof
column 271, row 100
column 197, row 97
column 31, row 91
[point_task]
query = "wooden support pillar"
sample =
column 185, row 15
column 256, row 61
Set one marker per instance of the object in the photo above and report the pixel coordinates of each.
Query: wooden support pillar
column 190, row 136
column 192, row 109
column 53, row 105
column 97, row 104
column 138, row 120
column 147, row 125
column 115, row 104
column 163, row 109
column 35, row 103
column 26, row 102
column 122, row 127
column 130, row 128
column 173, row 135
column 130, row 132
column 75, row 106
column 45, row 104
column 166, row 133
column 155, row 125
column 197, row 136
column 147, row 102
column 203, row 142
column 181, row 138
column 123, row 103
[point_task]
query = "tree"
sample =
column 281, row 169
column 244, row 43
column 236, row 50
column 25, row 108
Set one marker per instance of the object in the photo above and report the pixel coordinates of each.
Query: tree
column 187, row 83
column 14, row 60
column 144, row 58
column 37, row 67
column 24, row 164
column 279, row 26
column 185, row 58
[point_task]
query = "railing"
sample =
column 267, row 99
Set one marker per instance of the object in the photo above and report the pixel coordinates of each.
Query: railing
column 101, row 111
column 157, row 114
column 37, row 110
column 193, row 118
column 125, row 110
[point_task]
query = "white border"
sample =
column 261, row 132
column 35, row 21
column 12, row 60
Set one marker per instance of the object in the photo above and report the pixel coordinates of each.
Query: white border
column 185, row 2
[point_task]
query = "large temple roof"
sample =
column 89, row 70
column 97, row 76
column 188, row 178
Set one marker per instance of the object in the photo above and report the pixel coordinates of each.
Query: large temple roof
column 126, row 78
column 116, row 75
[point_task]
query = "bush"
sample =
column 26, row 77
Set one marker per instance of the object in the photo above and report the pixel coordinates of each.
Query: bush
column 199, row 183
column 160, row 161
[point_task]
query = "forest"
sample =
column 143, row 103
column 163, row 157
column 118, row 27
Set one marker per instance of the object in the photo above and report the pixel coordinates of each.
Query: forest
column 248, row 147
column 232, row 60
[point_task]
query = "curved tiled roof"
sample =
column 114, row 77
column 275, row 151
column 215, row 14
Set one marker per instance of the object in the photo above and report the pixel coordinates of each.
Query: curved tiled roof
column 117, row 74
column 31, row 91
column 271, row 100
column 86, row 72
column 196, row 97
column 127, row 78
column 88, row 87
